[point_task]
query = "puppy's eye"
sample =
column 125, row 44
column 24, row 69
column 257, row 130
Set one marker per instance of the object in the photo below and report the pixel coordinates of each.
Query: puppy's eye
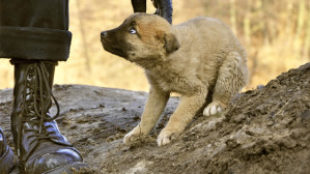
column 132, row 31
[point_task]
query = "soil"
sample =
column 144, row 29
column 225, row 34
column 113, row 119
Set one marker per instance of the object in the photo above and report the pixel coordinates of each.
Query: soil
column 266, row 130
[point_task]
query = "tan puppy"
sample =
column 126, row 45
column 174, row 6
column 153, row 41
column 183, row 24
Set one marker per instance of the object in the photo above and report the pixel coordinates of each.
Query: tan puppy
column 195, row 59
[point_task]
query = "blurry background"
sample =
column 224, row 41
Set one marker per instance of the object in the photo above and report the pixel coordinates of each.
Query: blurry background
column 276, row 35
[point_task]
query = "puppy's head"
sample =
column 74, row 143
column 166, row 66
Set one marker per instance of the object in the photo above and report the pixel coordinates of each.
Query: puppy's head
column 141, row 37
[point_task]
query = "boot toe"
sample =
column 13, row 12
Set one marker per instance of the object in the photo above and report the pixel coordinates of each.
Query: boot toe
column 63, row 160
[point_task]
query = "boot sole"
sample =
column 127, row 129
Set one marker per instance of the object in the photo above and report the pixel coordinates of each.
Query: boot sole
column 75, row 168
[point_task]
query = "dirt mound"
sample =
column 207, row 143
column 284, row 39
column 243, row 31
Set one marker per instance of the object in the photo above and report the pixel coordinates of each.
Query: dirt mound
column 266, row 130
column 263, row 131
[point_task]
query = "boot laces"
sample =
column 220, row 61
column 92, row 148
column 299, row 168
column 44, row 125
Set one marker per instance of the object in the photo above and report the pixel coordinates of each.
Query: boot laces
column 37, row 100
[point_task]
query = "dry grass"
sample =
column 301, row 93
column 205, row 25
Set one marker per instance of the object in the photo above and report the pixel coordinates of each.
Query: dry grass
column 276, row 36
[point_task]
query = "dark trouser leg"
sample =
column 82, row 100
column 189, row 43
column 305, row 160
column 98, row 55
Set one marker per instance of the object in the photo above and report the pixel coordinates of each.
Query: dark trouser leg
column 34, row 33
column 139, row 6
column 34, row 29
column 163, row 8
column 6, row 156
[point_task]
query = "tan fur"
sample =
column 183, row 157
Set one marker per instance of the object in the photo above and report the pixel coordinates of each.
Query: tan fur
column 195, row 59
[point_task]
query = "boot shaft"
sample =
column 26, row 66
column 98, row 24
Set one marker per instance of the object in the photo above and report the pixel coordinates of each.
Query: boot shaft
column 33, row 85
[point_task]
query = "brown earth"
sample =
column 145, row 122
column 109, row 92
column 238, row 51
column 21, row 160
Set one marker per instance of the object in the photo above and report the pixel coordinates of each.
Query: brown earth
column 266, row 130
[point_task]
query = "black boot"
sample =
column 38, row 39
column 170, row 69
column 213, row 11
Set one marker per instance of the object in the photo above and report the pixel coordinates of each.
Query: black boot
column 39, row 145
column 6, row 156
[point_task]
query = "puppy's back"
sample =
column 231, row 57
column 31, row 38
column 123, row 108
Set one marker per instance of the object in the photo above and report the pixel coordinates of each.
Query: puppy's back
column 208, row 35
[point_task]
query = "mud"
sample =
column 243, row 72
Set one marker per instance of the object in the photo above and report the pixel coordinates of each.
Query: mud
column 266, row 130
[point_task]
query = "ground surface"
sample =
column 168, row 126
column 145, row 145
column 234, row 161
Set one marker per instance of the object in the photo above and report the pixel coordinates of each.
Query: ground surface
column 266, row 130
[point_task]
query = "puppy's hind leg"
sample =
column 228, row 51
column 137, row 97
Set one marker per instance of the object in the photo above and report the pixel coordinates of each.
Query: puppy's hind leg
column 232, row 76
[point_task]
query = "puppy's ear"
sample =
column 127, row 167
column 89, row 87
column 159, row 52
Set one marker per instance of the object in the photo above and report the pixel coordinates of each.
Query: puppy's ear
column 171, row 43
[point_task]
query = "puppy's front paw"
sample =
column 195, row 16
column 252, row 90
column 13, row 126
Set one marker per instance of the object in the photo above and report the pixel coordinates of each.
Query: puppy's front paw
column 134, row 135
column 213, row 108
column 165, row 137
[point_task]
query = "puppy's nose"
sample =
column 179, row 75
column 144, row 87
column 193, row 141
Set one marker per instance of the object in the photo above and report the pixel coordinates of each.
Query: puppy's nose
column 104, row 34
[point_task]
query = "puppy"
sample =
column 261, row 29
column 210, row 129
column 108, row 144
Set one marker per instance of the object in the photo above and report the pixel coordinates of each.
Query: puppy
column 195, row 59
